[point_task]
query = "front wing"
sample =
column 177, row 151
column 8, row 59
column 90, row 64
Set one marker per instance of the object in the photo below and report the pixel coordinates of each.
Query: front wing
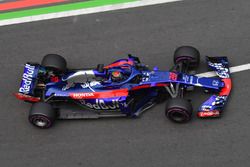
column 214, row 105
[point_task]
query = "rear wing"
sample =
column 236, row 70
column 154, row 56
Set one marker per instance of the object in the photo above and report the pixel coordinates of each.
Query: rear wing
column 28, row 83
column 215, row 104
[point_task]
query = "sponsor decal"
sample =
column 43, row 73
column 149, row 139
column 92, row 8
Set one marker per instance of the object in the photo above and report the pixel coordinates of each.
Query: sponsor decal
column 146, row 76
column 214, row 113
column 219, row 100
column 191, row 79
column 206, row 107
column 215, row 83
column 172, row 76
column 27, row 79
column 100, row 104
column 81, row 95
column 99, row 95
column 221, row 70
column 188, row 78
column 90, row 84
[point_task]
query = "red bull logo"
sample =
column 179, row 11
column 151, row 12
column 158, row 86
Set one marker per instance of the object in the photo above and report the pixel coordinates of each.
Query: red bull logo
column 100, row 104
column 27, row 79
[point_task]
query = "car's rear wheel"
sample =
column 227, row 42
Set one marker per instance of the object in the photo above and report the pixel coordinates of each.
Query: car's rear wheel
column 54, row 62
column 187, row 55
column 42, row 115
column 179, row 110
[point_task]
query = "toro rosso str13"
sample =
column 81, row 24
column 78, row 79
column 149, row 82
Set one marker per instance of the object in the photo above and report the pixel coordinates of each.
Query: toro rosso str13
column 124, row 88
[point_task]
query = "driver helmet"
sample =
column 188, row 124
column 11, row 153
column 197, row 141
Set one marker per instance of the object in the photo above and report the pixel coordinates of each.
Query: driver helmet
column 116, row 76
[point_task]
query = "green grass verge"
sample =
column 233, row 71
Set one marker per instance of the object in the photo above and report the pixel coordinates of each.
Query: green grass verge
column 60, row 8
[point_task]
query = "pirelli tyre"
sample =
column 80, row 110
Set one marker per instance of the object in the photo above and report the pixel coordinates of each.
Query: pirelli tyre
column 42, row 115
column 179, row 110
column 54, row 62
column 187, row 54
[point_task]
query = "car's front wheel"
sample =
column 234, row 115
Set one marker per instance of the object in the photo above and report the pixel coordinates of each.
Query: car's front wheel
column 179, row 110
column 187, row 55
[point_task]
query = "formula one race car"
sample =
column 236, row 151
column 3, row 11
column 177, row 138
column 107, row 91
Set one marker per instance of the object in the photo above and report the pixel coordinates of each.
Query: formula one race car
column 124, row 88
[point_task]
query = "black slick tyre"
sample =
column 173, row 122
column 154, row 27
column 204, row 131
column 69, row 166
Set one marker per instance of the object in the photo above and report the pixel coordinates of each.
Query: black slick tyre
column 42, row 115
column 187, row 54
column 179, row 110
column 54, row 62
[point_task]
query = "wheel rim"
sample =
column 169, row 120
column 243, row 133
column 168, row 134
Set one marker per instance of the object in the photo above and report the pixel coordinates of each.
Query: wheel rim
column 40, row 121
column 178, row 115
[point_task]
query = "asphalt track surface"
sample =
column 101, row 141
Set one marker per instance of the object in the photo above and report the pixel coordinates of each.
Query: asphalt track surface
column 218, row 28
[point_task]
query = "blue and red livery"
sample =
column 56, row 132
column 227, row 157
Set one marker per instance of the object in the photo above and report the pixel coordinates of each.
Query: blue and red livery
column 125, row 87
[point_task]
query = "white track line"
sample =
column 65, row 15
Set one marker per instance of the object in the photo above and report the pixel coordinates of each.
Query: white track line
column 234, row 69
column 84, row 11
